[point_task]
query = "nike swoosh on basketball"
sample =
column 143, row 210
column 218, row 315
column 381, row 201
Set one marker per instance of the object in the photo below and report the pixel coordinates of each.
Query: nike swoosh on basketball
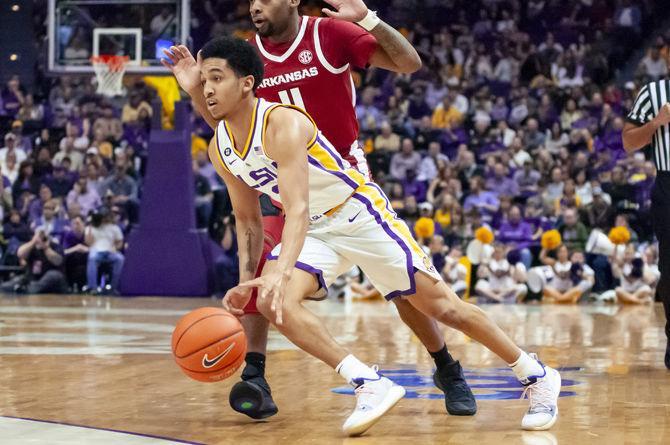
column 207, row 363
column 355, row 216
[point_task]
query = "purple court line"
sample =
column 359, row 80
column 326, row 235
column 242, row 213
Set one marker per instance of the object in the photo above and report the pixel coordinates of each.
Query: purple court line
column 151, row 436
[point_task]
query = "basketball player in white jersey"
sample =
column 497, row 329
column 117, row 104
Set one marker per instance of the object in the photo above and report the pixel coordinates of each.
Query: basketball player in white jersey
column 334, row 220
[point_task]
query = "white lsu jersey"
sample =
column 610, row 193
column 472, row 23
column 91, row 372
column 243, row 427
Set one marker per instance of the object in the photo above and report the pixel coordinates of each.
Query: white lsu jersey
column 331, row 178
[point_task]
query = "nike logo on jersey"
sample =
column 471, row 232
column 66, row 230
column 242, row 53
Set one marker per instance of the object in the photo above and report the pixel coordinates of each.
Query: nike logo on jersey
column 355, row 216
column 289, row 77
column 207, row 363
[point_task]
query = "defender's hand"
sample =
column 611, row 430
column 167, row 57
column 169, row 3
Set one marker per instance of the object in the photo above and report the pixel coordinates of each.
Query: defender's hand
column 348, row 10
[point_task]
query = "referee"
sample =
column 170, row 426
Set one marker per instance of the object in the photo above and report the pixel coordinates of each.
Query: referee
column 647, row 123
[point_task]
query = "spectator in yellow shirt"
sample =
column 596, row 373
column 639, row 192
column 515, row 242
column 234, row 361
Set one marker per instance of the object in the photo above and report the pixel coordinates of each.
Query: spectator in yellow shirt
column 446, row 116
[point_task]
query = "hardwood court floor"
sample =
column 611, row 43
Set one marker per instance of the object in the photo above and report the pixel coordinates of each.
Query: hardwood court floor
column 105, row 363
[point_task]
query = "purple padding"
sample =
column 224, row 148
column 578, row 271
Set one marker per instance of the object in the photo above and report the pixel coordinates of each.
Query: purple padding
column 166, row 255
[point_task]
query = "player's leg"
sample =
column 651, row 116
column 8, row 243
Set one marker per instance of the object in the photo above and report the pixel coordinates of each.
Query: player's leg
column 385, row 250
column 318, row 266
column 253, row 396
column 448, row 376
column 435, row 299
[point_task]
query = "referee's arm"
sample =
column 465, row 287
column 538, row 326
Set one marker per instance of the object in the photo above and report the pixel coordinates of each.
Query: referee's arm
column 640, row 126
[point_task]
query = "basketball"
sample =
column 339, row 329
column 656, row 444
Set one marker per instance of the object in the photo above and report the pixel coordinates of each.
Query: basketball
column 209, row 344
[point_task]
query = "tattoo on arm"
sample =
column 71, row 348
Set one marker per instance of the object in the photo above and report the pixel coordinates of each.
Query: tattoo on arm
column 252, row 262
column 394, row 44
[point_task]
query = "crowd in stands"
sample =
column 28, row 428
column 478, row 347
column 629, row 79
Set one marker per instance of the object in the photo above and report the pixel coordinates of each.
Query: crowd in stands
column 513, row 125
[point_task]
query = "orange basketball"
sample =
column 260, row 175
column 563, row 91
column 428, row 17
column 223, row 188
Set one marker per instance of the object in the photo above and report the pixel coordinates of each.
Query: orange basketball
column 209, row 344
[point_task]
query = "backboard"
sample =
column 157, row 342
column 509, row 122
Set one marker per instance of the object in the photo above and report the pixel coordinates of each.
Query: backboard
column 79, row 29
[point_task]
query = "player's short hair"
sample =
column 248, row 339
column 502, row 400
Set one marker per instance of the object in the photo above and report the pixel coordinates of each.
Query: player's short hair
column 241, row 57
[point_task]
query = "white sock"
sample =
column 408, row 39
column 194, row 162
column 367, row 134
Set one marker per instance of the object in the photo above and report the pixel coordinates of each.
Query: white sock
column 351, row 368
column 526, row 367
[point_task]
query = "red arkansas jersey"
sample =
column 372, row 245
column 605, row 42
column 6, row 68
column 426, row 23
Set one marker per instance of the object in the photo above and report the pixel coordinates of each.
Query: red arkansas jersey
column 314, row 72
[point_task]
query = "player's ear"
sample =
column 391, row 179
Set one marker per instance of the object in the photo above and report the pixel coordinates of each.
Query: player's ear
column 294, row 3
column 248, row 83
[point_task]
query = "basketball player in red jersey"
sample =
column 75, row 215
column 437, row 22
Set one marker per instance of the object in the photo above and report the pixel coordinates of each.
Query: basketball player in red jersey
column 308, row 62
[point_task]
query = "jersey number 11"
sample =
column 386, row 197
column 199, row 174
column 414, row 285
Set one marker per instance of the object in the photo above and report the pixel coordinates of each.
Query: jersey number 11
column 295, row 99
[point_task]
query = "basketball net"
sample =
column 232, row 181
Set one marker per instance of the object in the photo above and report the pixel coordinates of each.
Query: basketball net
column 109, row 72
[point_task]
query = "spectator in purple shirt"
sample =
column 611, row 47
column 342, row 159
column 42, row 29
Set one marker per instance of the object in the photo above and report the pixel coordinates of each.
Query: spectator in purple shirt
column 518, row 233
column 85, row 196
column 35, row 207
column 76, row 253
column 50, row 222
column 500, row 184
column 414, row 187
column 527, row 179
column 486, row 203
column 12, row 96
column 59, row 183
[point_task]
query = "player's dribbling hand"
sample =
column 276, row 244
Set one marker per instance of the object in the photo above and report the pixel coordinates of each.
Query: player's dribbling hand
column 273, row 286
column 236, row 299
column 348, row 10
column 184, row 67
column 663, row 116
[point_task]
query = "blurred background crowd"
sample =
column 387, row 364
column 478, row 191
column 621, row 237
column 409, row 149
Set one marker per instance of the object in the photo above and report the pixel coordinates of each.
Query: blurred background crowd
column 509, row 135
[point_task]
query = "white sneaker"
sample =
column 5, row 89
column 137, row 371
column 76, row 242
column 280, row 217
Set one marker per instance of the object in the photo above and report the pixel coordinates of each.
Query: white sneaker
column 373, row 399
column 543, row 397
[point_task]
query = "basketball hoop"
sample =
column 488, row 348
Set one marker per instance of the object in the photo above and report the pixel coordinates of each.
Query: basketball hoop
column 109, row 71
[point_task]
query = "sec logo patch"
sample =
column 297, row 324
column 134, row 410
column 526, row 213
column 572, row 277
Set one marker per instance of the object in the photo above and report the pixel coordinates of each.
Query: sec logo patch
column 227, row 151
column 305, row 57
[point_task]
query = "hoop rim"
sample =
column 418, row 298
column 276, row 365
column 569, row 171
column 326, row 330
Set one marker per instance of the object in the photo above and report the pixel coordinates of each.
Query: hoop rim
column 108, row 58
column 114, row 63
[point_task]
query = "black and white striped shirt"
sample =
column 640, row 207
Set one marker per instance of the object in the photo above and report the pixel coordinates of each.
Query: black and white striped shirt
column 649, row 100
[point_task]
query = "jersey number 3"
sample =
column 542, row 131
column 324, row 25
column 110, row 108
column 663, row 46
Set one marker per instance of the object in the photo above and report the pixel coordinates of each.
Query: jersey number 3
column 294, row 99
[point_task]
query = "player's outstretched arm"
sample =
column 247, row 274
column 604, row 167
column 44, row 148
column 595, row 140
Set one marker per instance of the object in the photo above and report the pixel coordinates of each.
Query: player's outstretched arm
column 287, row 135
column 394, row 52
column 249, row 227
column 186, row 69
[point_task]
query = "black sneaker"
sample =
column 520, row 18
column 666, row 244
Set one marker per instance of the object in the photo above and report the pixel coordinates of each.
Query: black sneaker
column 253, row 398
column 457, row 394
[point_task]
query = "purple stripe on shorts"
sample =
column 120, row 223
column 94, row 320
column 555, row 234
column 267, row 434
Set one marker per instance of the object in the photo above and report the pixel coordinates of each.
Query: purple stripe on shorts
column 397, row 239
column 307, row 268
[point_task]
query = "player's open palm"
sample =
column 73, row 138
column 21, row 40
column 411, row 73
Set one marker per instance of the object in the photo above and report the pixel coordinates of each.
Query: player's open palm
column 349, row 10
column 184, row 67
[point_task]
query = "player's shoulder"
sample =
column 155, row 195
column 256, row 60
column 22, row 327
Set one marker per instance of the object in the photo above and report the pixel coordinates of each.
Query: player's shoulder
column 280, row 118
